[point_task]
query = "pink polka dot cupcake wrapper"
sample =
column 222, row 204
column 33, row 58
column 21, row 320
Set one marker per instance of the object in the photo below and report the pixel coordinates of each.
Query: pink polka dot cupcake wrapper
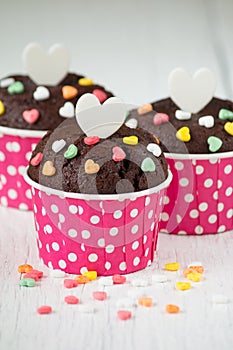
column 107, row 235
column 15, row 152
column 200, row 197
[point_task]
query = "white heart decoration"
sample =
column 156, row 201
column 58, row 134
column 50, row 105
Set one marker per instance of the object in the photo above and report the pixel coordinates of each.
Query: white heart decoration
column 41, row 93
column 100, row 120
column 4, row 83
column 154, row 148
column 207, row 121
column 46, row 68
column 58, row 145
column 132, row 123
column 191, row 94
column 67, row 111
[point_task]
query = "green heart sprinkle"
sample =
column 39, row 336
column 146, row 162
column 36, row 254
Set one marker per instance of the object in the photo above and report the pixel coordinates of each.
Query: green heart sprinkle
column 148, row 165
column 225, row 114
column 71, row 152
column 27, row 282
column 214, row 143
column 16, row 88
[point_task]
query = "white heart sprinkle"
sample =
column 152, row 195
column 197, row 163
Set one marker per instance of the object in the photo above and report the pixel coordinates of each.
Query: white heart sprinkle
column 220, row 299
column 132, row 123
column 56, row 273
column 100, row 120
column 41, row 93
column 58, row 145
column 67, row 111
column 86, row 308
column 206, row 121
column 4, row 83
column 159, row 278
column 182, row 115
column 154, row 148
column 139, row 283
column 46, row 68
column 195, row 263
column 191, row 93
column 105, row 281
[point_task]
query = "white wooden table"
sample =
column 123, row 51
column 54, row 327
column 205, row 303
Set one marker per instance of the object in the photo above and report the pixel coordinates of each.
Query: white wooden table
column 200, row 324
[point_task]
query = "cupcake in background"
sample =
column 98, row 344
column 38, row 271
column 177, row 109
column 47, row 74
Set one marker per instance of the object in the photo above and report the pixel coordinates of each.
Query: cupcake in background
column 98, row 196
column 196, row 133
column 29, row 106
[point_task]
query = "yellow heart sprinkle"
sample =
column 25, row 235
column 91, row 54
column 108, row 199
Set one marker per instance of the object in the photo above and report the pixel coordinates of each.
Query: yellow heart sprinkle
column 183, row 285
column 183, row 134
column 2, row 108
column 130, row 140
column 228, row 127
column 85, row 82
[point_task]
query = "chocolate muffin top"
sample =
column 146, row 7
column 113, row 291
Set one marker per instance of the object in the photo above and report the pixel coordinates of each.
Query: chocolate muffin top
column 25, row 106
column 128, row 161
column 215, row 137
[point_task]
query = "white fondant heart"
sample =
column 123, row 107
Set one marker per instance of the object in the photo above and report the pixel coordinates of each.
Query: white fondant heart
column 206, row 121
column 191, row 94
column 132, row 123
column 67, row 111
column 58, row 145
column 41, row 93
column 154, row 148
column 100, row 120
column 46, row 68
column 182, row 115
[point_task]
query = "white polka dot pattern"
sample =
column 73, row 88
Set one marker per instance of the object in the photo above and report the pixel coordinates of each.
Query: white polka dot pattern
column 114, row 237
column 200, row 197
column 14, row 154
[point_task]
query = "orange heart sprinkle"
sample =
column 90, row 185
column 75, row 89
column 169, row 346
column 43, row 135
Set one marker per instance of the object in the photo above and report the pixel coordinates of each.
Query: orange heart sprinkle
column 48, row 169
column 69, row 92
column 91, row 167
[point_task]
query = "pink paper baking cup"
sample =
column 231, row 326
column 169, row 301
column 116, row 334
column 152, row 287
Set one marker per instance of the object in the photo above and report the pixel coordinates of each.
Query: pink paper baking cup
column 15, row 151
column 106, row 233
column 200, row 197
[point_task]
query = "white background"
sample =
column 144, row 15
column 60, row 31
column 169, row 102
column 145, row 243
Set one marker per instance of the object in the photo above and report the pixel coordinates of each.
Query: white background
column 128, row 45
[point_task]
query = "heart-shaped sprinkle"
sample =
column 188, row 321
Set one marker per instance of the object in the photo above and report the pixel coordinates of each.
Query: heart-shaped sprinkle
column 191, row 93
column 214, row 143
column 91, row 167
column 148, row 165
column 101, row 95
column 118, row 154
column 16, row 88
column 118, row 279
column 154, row 148
column 228, row 127
column 69, row 92
column 27, row 282
column 85, row 82
column 130, row 140
column 132, row 123
column 207, row 121
column 146, row 108
column 182, row 115
column 91, row 140
column 225, row 114
column 58, row 145
column 4, row 83
column 99, row 295
column 31, row 115
column 67, row 111
column 71, row 299
column 124, row 315
column 160, row 118
column 37, row 159
column 41, row 93
column 183, row 134
column 2, row 108
column 48, row 168
column 71, row 152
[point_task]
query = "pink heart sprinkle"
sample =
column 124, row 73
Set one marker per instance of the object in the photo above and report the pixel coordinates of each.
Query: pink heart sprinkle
column 118, row 154
column 99, row 295
column 118, row 279
column 45, row 309
column 70, row 283
column 37, row 159
column 31, row 115
column 91, row 140
column 31, row 275
column 124, row 314
column 71, row 299
column 160, row 118
column 101, row 95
